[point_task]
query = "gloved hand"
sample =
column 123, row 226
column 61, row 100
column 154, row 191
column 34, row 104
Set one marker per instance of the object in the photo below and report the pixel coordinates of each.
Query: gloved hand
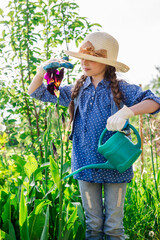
column 53, row 64
column 117, row 121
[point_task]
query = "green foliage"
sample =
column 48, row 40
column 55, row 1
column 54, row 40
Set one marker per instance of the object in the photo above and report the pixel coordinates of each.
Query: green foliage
column 31, row 32
column 55, row 172
column 11, row 231
column 44, row 235
column 6, row 215
column 38, row 221
column 29, row 172
column 23, row 217
column 142, row 209
column 34, row 201
column 30, row 166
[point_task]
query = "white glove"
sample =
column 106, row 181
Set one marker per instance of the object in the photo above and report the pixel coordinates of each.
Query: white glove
column 117, row 121
column 54, row 63
column 40, row 70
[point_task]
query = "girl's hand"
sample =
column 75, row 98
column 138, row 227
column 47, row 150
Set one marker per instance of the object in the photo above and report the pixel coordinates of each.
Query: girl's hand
column 117, row 121
column 49, row 65
column 53, row 64
column 40, row 69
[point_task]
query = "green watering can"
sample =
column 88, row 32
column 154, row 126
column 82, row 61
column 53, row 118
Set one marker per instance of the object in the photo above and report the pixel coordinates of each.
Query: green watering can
column 119, row 151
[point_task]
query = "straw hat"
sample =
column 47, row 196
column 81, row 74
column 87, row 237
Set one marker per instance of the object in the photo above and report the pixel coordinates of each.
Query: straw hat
column 100, row 47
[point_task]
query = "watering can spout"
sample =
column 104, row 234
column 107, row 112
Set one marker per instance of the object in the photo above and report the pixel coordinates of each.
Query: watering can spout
column 105, row 165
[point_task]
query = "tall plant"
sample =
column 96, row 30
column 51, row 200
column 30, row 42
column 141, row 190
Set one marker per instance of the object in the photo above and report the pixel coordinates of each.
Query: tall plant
column 32, row 32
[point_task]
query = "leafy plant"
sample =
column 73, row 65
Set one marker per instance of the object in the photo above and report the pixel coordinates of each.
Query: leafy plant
column 34, row 201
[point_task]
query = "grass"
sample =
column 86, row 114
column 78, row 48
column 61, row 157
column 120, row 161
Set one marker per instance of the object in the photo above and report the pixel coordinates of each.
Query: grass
column 34, row 204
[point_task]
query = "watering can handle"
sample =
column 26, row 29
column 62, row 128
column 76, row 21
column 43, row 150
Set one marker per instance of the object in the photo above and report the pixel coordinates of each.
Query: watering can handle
column 137, row 135
column 134, row 130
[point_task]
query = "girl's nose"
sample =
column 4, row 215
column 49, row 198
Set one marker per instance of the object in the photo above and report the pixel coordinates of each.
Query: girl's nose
column 84, row 61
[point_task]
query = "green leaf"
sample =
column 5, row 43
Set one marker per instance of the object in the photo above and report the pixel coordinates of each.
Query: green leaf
column 96, row 24
column 24, row 135
column 37, row 219
column 44, row 235
column 67, row 234
column 70, row 224
column 1, row 11
column 41, row 168
column 30, row 166
column 158, row 178
column 72, row 219
column 36, row 222
column 80, row 213
column 80, row 233
column 6, row 215
column 19, row 163
column 3, row 33
column 10, row 121
column 23, row 217
column 40, row 206
column 12, row 231
column 55, row 172
column 5, row 236
column 38, row 173
column 10, row 14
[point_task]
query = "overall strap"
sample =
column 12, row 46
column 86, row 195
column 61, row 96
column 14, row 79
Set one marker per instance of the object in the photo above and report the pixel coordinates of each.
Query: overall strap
column 76, row 100
column 114, row 107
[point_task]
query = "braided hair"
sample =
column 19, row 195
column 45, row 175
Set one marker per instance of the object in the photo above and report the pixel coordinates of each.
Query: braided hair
column 110, row 75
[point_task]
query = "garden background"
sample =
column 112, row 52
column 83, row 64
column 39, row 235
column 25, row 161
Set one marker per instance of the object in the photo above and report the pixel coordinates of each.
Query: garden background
column 34, row 157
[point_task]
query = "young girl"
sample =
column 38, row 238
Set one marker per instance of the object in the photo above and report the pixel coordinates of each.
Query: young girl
column 95, row 100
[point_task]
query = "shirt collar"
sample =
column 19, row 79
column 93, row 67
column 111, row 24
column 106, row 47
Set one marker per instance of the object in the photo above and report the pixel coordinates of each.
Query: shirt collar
column 88, row 82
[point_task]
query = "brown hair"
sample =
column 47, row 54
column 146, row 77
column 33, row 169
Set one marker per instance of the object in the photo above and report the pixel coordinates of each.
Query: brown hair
column 110, row 75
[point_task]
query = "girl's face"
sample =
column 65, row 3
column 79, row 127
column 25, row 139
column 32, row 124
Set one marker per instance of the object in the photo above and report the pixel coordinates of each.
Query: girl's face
column 93, row 69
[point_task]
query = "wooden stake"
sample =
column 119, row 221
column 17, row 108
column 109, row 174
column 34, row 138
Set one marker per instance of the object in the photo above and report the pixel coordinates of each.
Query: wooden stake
column 141, row 135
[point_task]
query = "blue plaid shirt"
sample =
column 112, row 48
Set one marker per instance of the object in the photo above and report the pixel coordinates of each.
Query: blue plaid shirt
column 94, row 108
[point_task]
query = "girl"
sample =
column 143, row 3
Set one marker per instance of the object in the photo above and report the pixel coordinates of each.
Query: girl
column 95, row 100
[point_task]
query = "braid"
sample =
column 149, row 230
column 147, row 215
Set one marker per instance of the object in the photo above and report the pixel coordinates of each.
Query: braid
column 75, row 91
column 114, row 85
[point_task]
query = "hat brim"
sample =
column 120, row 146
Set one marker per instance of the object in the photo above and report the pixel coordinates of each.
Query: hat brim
column 120, row 67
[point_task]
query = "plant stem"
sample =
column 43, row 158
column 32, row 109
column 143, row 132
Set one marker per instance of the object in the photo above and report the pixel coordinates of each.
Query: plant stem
column 61, row 172
column 46, row 157
column 155, row 146
column 150, row 132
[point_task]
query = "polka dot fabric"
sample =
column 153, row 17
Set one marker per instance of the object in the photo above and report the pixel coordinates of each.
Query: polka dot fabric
column 93, row 110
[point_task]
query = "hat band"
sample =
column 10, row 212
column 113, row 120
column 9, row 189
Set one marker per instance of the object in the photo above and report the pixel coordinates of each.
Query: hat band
column 88, row 48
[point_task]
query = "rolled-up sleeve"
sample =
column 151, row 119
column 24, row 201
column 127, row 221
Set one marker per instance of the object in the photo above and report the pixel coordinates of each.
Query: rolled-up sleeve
column 42, row 94
column 133, row 94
